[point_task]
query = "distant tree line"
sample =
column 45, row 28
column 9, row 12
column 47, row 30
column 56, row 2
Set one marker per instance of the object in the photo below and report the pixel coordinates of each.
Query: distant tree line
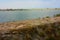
column 13, row 9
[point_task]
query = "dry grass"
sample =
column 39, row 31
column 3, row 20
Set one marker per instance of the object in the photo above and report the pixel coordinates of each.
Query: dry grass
column 36, row 29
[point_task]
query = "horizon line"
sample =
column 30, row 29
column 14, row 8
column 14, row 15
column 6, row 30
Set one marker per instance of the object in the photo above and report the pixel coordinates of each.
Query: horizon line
column 26, row 8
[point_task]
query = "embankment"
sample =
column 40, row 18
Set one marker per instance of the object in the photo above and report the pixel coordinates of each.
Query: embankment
column 35, row 29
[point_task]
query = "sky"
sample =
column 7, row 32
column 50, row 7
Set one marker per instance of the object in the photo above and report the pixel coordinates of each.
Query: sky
column 27, row 4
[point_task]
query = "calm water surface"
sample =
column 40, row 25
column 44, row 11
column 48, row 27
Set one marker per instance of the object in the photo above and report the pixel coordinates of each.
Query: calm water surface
column 6, row 16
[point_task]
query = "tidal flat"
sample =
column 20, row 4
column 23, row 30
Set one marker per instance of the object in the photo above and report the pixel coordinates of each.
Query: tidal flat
column 35, row 29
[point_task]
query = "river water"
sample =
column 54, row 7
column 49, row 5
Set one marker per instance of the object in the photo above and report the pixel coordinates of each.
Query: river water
column 6, row 16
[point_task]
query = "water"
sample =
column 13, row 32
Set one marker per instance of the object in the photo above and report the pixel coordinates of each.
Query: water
column 6, row 16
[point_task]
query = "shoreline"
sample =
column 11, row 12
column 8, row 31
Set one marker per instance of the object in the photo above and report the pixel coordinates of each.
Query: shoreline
column 40, row 29
column 29, row 9
column 12, row 25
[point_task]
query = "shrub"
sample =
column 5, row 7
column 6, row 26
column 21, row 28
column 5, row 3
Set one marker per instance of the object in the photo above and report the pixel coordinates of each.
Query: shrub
column 56, row 15
column 47, row 17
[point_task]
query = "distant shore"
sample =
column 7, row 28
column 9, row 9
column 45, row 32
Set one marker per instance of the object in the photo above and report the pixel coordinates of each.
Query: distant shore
column 29, row 9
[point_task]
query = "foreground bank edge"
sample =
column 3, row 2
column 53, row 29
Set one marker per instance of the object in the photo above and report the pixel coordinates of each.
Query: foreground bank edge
column 36, row 29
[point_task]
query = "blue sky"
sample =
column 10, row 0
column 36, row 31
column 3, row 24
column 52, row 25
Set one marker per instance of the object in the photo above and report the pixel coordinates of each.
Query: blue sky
column 27, row 4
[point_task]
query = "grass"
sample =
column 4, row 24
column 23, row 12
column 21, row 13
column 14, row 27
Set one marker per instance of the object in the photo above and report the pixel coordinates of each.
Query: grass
column 45, row 30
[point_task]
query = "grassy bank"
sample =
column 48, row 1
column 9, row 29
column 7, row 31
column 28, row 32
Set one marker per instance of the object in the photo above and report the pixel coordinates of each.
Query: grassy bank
column 35, row 29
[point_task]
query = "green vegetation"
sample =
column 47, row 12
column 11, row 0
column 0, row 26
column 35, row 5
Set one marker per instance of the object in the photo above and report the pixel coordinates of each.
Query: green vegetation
column 57, row 15
column 47, row 17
